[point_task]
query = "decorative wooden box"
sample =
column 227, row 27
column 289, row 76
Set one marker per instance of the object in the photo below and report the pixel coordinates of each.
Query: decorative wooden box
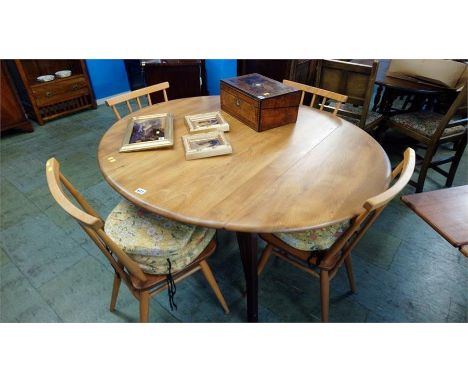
column 260, row 102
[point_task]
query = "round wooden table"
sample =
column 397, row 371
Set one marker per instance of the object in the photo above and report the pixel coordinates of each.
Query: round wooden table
column 305, row 175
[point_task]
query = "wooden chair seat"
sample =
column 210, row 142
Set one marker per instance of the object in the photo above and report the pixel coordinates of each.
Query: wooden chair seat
column 425, row 123
column 315, row 239
column 372, row 119
column 151, row 240
column 155, row 281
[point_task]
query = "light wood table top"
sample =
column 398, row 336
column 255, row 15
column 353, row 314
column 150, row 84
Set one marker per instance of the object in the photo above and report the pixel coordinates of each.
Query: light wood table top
column 464, row 250
column 444, row 210
column 299, row 176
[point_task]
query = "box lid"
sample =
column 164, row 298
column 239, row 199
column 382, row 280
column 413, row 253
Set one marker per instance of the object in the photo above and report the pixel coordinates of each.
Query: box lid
column 260, row 87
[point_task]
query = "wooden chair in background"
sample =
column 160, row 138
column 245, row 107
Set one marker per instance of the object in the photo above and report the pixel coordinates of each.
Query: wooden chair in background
column 135, row 95
column 322, row 251
column 142, row 285
column 357, row 82
column 431, row 129
column 325, row 94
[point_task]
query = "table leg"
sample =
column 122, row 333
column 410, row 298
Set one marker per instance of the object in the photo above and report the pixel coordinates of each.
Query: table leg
column 248, row 251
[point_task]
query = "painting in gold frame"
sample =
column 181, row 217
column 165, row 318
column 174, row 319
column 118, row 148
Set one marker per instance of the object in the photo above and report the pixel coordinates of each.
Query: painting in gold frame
column 148, row 132
column 202, row 123
column 204, row 145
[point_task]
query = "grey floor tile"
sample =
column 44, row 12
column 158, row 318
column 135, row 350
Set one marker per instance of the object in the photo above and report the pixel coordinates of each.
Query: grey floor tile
column 40, row 249
column 82, row 292
column 4, row 259
column 15, row 206
column 378, row 247
column 19, row 301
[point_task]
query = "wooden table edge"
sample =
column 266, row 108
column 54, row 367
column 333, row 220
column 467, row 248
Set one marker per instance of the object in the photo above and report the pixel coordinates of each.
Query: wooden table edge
column 435, row 227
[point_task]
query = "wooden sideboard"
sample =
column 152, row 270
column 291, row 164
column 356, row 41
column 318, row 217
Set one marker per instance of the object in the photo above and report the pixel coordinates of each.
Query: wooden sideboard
column 44, row 101
column 302, row 71
column 12, row 115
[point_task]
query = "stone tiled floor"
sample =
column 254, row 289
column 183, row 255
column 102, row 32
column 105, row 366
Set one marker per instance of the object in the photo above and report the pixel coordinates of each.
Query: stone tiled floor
column 51, row 272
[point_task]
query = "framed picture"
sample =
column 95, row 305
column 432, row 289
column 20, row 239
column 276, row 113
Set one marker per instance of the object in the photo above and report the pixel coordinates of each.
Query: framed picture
column 205, row 145
column 206, row 122
column 148, row 132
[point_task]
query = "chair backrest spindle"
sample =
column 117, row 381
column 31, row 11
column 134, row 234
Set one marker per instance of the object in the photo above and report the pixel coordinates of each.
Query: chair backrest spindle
column 127, row 97
column 325, row 94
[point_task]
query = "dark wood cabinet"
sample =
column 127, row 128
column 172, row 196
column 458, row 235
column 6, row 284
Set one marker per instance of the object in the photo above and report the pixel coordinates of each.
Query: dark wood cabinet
column 12, row 115
column 302, row 70
column 187, row 78
column 44, row 101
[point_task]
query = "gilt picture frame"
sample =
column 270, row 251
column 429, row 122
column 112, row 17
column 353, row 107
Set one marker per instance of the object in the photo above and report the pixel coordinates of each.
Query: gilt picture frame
column 202, row 123
column 204, row 145
column 148, row 132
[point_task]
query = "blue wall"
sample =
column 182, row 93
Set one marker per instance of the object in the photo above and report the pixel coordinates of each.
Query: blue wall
column 108, row 77
column 217, row 70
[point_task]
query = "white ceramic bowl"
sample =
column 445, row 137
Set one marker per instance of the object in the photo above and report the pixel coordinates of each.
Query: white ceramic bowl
column 46, row 78
column 63, row 73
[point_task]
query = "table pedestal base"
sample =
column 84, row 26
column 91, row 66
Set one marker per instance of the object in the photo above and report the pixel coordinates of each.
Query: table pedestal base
column 248, row 252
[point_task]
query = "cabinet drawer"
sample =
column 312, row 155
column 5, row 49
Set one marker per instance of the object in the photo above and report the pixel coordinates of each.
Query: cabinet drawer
column 60, row 86
column 49, row 93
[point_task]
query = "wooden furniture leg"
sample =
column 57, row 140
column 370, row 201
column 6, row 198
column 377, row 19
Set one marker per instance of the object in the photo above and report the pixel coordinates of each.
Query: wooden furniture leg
column 324, row 294
column 377, row 98
column 206, row 270
column 248, row 251
column 349, row 270
column 426, row 164
column 144, row 306
column 460, row 147
column 115, row 291
column 266, row 254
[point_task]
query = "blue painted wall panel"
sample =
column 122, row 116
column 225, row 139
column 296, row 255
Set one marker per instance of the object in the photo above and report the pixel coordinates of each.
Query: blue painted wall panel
column 108, row 77
column 217, row 70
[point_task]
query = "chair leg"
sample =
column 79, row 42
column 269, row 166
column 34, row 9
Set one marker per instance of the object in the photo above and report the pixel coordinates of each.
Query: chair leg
column 425, row 167
column 266, row 254
column 206, row 270
column 324, row 294
column 115, row 291
column 144, row 306
column 460, row 147
column 349, row 271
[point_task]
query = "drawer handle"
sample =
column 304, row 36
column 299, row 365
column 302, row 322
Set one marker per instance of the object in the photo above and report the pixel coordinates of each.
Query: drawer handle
column 48, row 94
column 74, row 87
column 237, row 102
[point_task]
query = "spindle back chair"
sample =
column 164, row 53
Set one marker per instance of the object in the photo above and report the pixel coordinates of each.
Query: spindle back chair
column 135, row 95
column 325, row 94
column 325, row 264
column 142, row 285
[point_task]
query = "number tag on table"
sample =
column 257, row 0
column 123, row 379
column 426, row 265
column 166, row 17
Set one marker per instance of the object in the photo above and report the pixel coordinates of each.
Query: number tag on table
column 140, row 191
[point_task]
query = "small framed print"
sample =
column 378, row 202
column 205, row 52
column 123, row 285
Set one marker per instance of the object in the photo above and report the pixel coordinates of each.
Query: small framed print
column 148, row 132
column 202, row 123
column 206, row 145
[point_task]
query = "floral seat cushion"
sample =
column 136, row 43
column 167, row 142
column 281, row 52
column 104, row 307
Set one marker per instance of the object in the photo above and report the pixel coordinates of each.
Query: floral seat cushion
column 372, row 116
column 150, row 239
column 314, row 239
column 425, row 123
